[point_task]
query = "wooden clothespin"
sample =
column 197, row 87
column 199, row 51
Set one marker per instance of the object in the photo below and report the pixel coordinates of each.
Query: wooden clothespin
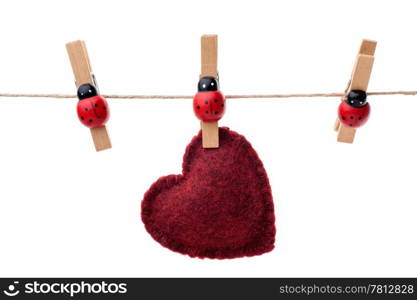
column 359, row 81
column 210, row 130
column 83, row 74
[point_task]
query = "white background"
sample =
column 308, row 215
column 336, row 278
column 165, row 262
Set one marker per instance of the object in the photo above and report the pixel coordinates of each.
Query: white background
column 342, row 210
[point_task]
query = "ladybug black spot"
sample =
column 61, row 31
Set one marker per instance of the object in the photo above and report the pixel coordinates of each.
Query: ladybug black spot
column 91, row 121
column 206, row 111
column 360, row 118
column 96, row 105
column 351, row 125
column 82, row 118
column 216, row 112
column 198, row 107
column 104, row 107
column 215, row 100
column 351, row 117
column 222, row 105
column 206, row 102
column 343, row 118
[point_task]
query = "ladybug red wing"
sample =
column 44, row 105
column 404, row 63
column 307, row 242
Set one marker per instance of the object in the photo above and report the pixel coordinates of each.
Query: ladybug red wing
column 352, row 116
column 209, row 106
column 93, row 112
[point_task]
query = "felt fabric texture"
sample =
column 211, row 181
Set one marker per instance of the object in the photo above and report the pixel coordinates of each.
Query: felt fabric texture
column 219, row 207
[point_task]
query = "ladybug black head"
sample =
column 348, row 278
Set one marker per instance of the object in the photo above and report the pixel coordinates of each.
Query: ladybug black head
column 86, row 91
column 207, row 84
column 356, row 98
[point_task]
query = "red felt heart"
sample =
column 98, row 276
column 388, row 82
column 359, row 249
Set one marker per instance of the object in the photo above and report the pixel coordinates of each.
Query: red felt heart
column 220, row 207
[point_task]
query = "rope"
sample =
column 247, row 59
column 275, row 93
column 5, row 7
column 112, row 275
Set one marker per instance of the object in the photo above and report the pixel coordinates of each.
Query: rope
column 254, row 96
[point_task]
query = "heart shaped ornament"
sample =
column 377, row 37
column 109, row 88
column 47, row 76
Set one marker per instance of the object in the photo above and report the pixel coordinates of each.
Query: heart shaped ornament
column 219, row 207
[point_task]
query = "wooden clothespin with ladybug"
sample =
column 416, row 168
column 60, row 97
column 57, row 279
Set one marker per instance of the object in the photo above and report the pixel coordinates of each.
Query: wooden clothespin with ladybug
column 209, row 103
column 354, row 109
column 92, row 109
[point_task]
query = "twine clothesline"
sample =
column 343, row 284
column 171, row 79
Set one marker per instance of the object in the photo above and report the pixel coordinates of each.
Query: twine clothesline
column 254, row 96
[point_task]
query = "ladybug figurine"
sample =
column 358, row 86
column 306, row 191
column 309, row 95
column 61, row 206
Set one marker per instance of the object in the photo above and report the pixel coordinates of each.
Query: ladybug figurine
column 209, row 103
column 354, row 111
column 92, row 109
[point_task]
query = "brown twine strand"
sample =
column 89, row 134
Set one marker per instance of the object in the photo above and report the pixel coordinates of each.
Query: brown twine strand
column 255, row 96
